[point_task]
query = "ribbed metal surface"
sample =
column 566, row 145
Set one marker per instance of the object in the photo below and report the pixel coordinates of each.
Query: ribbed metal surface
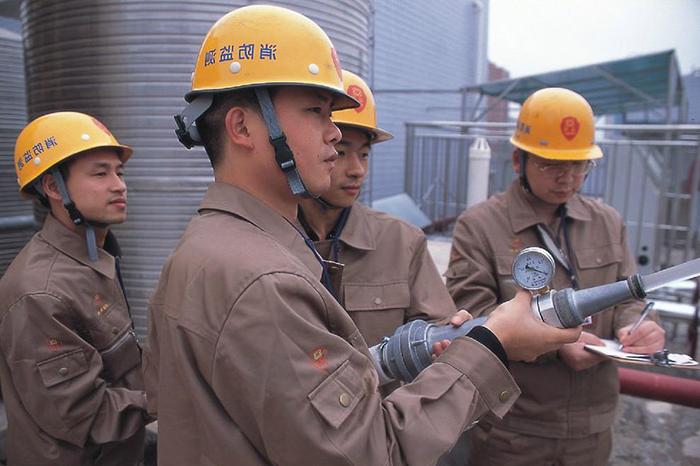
column 129, row 63
column 14, row 231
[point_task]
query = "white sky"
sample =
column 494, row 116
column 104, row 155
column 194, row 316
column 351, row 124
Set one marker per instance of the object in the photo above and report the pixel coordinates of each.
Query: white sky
column 534, row 36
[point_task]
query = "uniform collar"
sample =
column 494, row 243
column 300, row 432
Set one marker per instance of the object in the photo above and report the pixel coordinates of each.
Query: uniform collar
column 358, row 232
column 522, row 213
column 228, row 198
column 73, row 245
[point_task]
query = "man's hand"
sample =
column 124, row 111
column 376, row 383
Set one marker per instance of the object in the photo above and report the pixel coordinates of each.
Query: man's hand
column 648, row 338
column 575, row 355
column 524, row 336
column 458, row 319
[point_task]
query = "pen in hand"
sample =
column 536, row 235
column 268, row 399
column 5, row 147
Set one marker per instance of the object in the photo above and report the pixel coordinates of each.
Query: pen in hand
column 642, row 316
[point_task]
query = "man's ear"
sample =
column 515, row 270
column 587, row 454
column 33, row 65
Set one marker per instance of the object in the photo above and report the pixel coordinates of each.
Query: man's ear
column 48, row 184
column 516, row 161
column 237, row 123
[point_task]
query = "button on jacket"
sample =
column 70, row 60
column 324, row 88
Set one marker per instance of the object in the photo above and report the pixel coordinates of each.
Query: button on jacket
column 389, row 277
column 253, row 362
column 70, row 366
column 557, row 401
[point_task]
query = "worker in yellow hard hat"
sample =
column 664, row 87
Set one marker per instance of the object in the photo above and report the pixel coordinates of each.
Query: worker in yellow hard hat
column 567, row 408
column 388, row 277
column 251, row 359
column 70, row 364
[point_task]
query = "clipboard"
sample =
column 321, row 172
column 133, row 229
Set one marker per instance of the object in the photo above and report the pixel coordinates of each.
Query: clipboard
column 610, row 350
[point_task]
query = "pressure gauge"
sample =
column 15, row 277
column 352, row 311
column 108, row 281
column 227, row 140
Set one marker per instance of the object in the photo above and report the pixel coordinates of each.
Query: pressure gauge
column 533, row 269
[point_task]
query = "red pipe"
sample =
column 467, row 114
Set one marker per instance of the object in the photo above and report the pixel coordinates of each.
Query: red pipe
column 653, row 386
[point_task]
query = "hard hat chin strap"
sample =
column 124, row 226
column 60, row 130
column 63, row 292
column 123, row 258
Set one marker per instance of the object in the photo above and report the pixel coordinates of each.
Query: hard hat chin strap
column 523, row 175
column 325, row 204
column 75, row 215
column 188, row 135
column 283, row 154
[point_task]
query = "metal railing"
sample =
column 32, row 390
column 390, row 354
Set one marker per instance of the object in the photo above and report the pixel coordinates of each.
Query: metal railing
column 647, row 174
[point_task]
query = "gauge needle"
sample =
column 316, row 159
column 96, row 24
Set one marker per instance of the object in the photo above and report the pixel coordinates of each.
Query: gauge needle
column 527, row 267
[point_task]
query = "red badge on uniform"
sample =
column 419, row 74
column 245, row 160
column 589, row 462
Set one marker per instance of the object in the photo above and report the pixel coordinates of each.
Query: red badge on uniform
column 318, row 357
column 516, row 244
column 100, row 305
column 358, row 94
column 54, row 344
column 569, row 127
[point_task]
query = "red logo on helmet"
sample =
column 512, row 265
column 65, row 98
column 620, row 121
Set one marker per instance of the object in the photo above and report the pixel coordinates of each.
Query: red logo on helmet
column 358, row 94
column 99, row 124
column 336, row 62
column 569, row 127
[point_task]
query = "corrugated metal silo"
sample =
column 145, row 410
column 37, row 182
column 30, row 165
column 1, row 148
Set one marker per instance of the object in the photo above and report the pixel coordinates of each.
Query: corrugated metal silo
column 16, row 223
column 129, row 64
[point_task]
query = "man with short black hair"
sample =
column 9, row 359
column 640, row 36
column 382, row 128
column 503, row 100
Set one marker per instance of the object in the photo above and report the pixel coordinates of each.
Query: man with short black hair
column 251, row 360
column 70, row 365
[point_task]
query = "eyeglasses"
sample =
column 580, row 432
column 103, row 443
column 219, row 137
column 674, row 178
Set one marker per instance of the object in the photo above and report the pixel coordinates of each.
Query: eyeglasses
column 555, row 170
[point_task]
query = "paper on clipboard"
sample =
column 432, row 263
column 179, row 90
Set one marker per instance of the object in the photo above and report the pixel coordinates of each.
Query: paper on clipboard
column 610, row 350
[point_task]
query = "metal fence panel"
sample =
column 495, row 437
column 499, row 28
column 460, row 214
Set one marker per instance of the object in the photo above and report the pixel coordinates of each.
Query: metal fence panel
column 647, row 174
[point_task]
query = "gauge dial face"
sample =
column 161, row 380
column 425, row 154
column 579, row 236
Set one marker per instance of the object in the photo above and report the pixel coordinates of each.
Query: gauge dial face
column 533, row 269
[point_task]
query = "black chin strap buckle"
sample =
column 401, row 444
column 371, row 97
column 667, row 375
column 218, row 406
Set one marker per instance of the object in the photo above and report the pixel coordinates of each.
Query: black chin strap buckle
column 183, row 134
column 74, row 213
column 283, row 154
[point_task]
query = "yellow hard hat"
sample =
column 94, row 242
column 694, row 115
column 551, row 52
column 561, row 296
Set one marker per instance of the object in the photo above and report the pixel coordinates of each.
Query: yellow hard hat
column 556, row 123
column 262, row 45
column 365, row 116
column 55, row 137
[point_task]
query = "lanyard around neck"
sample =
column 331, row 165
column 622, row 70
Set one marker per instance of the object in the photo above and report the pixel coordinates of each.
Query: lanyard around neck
column 562, row 256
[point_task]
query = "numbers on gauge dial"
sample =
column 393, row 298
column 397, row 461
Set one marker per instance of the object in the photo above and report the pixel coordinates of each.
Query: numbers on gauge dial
column 533, row 269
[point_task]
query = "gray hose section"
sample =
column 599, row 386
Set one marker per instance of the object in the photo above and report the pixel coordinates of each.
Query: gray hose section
column 573, row 307
column 409, row 350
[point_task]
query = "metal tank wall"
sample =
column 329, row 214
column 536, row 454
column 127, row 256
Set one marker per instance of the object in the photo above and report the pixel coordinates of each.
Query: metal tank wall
column 16, row 222
column 129, row 63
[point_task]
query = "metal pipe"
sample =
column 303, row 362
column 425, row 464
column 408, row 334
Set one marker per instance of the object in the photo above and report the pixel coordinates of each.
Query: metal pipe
column 489, row 124
column 17, row 222
column 653, row 386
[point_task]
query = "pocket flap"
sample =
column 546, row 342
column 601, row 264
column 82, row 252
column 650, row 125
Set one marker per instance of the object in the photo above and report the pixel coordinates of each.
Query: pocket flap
column 62, row 368
column 377, row 297
column 592, row 258
column 504, row 264
column 336, row 397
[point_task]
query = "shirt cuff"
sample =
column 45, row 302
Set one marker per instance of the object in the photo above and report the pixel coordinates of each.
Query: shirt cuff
column 486, row 337
column 480, row 365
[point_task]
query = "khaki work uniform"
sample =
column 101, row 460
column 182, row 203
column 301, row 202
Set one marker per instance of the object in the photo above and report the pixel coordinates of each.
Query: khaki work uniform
column 557, row 402
column 389, row 277
column 70, row 365
column 251, row 360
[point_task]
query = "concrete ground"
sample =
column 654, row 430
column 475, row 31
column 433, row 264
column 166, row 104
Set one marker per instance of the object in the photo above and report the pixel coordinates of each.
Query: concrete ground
column 654, row 433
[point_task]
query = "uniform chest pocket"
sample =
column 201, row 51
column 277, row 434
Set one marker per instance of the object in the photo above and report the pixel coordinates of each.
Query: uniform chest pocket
column 121, row 356
column 377, row 297
column 599, row 265
column 62, row 368
column 338, row 395
column 506, row 285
